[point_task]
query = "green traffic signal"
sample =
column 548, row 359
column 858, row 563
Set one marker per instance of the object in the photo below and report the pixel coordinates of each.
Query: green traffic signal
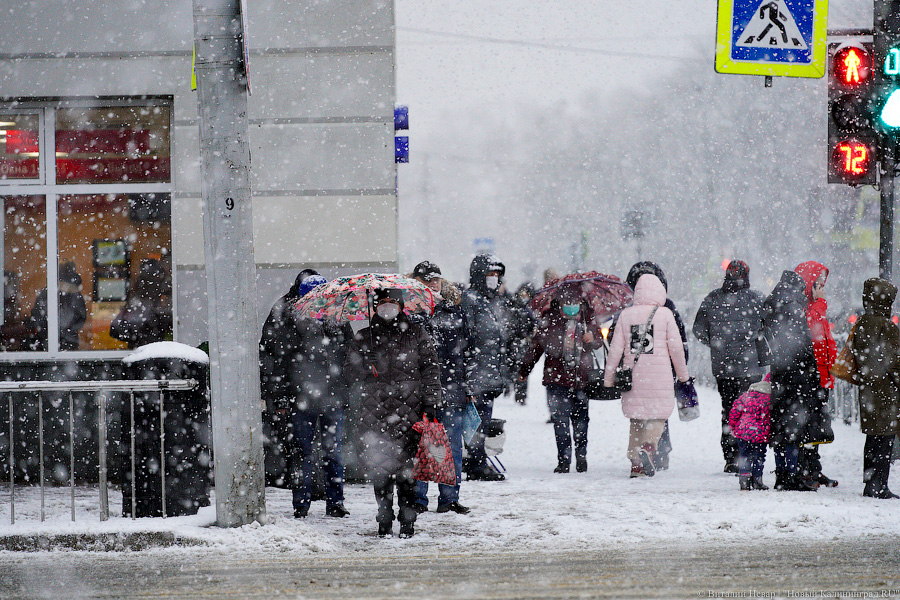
column 890, row 114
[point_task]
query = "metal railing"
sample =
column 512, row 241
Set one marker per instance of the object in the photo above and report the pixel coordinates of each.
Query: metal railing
column 130, row 386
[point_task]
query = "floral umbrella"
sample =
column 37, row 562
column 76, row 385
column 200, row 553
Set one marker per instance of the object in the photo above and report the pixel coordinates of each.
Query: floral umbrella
column 607, row 294
column 348, row 298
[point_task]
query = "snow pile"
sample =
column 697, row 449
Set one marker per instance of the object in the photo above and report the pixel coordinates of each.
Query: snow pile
column 167, row 350
column 537, row 510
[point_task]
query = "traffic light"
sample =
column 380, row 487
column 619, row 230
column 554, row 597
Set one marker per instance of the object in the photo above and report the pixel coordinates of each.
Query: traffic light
column 852, row 138
column 886, row 102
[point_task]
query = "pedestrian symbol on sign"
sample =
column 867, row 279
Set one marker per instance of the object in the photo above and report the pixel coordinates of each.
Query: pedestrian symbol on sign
column 772, row 26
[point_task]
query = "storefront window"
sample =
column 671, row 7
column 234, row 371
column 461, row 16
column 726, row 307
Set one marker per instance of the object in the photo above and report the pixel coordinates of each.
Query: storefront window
column 116, row 248
column 24, row 325
column 113, row 144
column 19, row 146
column 105, row 250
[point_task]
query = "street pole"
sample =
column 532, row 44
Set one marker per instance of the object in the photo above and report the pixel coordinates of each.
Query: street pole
column 886, row 236
column 230, row 264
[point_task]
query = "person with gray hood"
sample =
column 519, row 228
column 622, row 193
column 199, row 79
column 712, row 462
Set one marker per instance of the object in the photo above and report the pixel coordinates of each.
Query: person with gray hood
column 486, row 363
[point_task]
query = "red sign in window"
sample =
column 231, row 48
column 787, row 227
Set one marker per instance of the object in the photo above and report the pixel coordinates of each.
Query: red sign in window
column 19, row 141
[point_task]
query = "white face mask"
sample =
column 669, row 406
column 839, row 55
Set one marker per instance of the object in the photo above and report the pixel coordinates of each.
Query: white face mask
column 492, row 281
column 388, row 311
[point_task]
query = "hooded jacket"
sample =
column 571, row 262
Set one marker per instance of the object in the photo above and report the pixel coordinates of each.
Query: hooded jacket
column 729, row 322
column 652, row 395
column 824, row 348
column 749, row 417
column 795, row 376
column 488, row 322
column 876, row 349
column 450, row 331
column 641, row 268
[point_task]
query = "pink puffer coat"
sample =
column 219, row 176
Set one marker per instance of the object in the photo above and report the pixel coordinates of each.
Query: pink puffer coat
column 652, row 395
column 749, row 417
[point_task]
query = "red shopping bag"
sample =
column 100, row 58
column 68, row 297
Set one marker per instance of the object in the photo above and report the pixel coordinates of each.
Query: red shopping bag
column 434, row 460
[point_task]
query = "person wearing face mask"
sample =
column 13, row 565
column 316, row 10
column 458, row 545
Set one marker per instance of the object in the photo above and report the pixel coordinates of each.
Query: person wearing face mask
column 449, row 330
column 485, row 356
column 567, row 335
column 394, row 369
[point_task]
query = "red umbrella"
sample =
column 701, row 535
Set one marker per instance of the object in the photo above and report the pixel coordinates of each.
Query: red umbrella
column 607, row 294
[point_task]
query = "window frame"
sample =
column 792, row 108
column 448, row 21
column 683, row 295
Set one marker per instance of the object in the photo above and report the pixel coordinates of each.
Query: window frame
column 47, row 186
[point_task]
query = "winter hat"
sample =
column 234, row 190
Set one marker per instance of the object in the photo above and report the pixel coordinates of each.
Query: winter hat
column 426, row 271
column 306, row 273
column 737, row 276
column 310, row 282
column 68, row 273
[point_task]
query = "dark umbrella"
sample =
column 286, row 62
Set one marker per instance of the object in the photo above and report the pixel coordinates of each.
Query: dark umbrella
column 606, row 294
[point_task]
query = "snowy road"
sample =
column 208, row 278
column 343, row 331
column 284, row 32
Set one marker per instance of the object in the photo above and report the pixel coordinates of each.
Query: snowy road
column 677, row 570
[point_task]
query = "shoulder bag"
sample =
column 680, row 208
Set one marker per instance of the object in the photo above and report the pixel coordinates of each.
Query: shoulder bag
column 624, row 376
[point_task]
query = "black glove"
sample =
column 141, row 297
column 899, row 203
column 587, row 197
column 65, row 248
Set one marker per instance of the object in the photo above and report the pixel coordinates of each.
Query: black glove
column 429, row 413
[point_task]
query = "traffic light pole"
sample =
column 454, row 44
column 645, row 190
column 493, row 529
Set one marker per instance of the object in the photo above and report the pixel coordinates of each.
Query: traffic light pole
column 886, row 237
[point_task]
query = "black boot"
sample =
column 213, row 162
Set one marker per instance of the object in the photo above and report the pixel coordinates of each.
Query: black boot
column 581, row 464
column 385, row 529
column 407, row 530
column 561, row 468
column 756, row 483
column 744, row 481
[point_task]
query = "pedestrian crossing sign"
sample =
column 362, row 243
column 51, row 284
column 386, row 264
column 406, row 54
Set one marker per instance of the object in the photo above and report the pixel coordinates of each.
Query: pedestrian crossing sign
column 772, row 37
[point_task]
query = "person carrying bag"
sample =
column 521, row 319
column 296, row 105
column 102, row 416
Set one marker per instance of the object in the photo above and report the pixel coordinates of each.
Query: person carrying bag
column 647, row 331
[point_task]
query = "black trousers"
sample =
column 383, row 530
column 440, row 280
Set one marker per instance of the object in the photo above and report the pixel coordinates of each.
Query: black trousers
column 730, row 388
column 384, row 484
column 877, row 462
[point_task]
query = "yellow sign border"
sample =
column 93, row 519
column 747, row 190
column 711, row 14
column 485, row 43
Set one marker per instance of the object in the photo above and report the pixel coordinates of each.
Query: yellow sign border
column 815, row 69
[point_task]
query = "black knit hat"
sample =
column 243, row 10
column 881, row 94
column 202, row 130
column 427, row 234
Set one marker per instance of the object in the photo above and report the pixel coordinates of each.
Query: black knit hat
column 392, row 293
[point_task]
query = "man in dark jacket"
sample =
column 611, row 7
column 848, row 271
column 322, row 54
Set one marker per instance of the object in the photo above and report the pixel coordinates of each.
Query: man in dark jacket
column 302, row 376
column 449, row 330
column 396, row 377
column 795, row 376
column 876, row 350
column 71, row 315
column 275, row 390
column 729, row 321
column 486, row 361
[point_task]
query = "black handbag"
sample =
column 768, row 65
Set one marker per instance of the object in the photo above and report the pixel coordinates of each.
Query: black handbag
column 594, row 388
column 624, row 375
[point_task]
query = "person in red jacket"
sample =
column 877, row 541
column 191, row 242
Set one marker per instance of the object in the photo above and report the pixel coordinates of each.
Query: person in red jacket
column 815, row 275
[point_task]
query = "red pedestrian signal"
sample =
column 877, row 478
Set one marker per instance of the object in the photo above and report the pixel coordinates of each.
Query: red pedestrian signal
column 852, row 139
column 851, row 160
column 852, row 66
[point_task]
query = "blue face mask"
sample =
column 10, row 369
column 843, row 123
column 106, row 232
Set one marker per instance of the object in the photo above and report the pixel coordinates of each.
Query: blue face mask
column 570, row 310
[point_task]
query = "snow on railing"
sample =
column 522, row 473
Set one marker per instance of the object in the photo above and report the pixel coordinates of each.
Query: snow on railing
column 131, row 386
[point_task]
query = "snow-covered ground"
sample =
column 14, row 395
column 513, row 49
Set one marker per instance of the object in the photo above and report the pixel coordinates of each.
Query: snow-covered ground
column 535, row 509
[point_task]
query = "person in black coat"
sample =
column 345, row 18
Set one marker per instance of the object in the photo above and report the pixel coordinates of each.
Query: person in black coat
column 147, row 315
column 664, row 446
column 487, row 374
column 449, row 330
column 72, row 312
column 394, row 368
column 795, row 376
column 729, row 321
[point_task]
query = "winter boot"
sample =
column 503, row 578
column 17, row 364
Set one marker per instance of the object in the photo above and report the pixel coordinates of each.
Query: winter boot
column 826, row 481
column 385, row 529
column 756, row 483
column 581, row 464
column 561, row 468
column 744, row 481
column 646, row 454
column 779, row 481
column 407, row 530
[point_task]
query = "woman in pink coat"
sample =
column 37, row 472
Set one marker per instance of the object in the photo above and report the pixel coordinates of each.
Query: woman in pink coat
column 652, row 397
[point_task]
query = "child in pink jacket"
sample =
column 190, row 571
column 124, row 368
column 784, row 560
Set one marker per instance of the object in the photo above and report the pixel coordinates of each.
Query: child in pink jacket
column 750, row 424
